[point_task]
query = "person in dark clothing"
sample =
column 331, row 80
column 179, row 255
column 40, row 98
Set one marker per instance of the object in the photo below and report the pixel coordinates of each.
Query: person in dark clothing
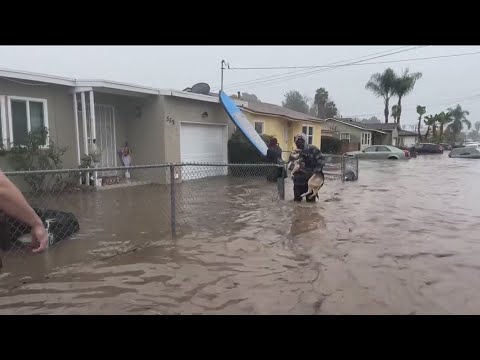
column 274, row 156
column 313, row 162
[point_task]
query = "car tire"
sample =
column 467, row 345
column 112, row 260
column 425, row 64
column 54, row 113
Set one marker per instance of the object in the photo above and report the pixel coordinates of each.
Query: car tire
column 392, row 158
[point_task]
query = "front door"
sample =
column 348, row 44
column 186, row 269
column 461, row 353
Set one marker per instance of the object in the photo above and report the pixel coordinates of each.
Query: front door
column 366, row 140
column 105, row 134
column 106, row 139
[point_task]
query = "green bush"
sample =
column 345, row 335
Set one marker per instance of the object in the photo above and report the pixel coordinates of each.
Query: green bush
column 33, row 155
column 330, row 145
column 241, row 151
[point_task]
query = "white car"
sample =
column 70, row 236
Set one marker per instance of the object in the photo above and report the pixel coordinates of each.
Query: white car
column 381, row 152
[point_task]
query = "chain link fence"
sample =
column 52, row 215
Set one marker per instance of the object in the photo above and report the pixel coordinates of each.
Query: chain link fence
column 159, row 200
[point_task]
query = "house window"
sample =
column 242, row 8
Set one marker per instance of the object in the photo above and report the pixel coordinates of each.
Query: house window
column 345, row 136
column 259, row 127
column 26, row 115
column 366, row 138
column 308, row 130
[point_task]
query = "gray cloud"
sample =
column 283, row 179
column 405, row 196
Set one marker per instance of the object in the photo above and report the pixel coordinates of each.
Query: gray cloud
column 177, row 67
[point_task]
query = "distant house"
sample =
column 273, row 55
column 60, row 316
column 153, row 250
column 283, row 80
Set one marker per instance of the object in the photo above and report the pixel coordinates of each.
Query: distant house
column 284, row 124
column 407, row 138
column 360, row 135
column 355, row 135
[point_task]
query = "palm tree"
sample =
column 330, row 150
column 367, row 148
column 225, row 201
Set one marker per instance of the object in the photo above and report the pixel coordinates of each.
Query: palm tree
column 382, row 85
column 475, row 134
column 421, row 110
column 430, row 121
column 444, row 118
column 394, row 113
column 459, row 119
column 402, row 87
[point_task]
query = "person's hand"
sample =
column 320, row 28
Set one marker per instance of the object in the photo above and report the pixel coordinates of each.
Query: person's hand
column 39, row 238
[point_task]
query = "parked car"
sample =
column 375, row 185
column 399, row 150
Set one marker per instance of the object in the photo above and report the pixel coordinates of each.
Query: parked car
column 472, row 144
column 427, row 148
column 381, row 152
column 469, row 152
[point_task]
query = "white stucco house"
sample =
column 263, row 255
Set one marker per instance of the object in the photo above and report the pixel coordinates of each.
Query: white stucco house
column 160, row 125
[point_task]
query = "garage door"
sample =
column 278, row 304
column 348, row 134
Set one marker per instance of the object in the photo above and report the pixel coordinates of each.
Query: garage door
column 200, row 143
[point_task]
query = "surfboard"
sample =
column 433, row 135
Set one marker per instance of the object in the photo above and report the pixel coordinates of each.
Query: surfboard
column 241, row 121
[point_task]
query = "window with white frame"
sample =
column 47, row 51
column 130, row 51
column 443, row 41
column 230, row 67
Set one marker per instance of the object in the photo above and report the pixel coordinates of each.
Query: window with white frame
column 308, row 130
column 26, row 115
column 366, row 138
column 259, row 127
column 345, row 136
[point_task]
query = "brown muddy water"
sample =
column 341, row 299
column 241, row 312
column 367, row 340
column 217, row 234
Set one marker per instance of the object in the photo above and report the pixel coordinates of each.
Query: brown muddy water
column 403, row 239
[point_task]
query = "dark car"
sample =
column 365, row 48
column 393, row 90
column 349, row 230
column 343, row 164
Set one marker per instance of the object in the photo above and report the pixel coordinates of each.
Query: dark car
column 427, row 148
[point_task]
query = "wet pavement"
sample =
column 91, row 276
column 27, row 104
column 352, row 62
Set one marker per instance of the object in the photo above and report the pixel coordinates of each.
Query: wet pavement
column 401, row 240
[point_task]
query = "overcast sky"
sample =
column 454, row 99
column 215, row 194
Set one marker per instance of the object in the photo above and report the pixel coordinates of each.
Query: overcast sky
column 445, row 82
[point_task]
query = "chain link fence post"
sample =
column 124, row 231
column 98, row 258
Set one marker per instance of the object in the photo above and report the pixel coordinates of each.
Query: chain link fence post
column 173, row 212
column 356, row 165
column 343, row 166
column 281, row 182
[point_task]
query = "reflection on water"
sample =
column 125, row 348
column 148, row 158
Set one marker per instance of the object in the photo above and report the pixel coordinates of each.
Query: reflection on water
column 401, row 240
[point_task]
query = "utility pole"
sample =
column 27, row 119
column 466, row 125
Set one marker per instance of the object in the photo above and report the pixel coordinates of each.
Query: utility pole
column 221, row 69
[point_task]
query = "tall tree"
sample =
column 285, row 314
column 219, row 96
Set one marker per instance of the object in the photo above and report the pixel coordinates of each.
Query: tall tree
column 444, row 118
column 475, row 134
column 383, row 85
column 459, row 119
column 421, row 110
column 320, row 100
column 331, row 110
column 250, row 97
column 430, row 121
column 395, row 113
column 296, row 101
column 372, row 120
column 403, row 85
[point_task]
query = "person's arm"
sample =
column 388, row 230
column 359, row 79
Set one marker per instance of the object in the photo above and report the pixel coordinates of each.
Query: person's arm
column 14, row 204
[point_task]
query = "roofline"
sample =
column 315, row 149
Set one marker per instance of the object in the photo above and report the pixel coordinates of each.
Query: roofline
column 25, row 75
column 117, row 85
column 356, row 126
column 280, row 116
column 195, row 96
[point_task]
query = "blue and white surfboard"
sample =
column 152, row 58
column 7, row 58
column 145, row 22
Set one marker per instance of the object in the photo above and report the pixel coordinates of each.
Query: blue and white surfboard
column 241, row 121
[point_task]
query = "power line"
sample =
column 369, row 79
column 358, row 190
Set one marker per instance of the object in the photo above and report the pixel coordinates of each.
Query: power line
column 444, row 103
column 368, row 63
column 288, row 77
column 299, row 71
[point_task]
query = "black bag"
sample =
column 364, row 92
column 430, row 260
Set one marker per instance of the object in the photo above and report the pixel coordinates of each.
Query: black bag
column 58, row 224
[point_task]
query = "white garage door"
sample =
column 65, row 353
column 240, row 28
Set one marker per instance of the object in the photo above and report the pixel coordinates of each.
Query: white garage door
column 201, row 143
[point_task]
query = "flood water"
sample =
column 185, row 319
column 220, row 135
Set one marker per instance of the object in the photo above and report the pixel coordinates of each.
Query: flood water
column 401, row 240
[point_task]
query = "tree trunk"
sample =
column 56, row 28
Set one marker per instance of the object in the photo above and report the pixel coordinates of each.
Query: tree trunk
column 441, row 132
column 418, row 128
column 399, row 110
column 426, row 134
column 434, row 131
column 386, row 111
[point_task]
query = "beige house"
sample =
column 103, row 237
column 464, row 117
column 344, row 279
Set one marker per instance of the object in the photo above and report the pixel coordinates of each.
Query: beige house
column 284, row 124
column 161, row 126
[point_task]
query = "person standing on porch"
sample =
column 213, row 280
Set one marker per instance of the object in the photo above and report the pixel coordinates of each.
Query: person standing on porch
column 126, row 157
